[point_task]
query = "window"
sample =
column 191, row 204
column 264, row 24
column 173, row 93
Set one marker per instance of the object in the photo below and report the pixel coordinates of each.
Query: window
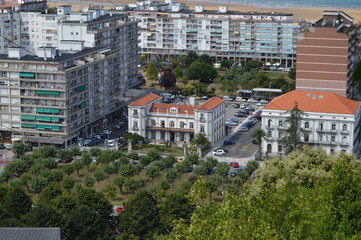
column 279, row 148
column 162, row 123
column 280, row 135
column 135, row 112
column 307, row 125
column 269, row 134
column 191, row 125
column 202, row 128
column 320, row 138
column 171, row 124
column 320, row 126
column 280, row 123
column 181, row 137
column 153, row 123
column 162, row 135
column 344, row 127
column 306, row 136
column 333, row 138
column 269, row 123
column 333, row 126
column 152, row 134
column 269, row 148
column 182, row 124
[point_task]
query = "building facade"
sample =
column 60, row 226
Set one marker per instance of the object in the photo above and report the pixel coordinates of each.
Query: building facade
column 222, row 34
column 67, row 71
column 177, row 123
column 329, row 121
column 327, row 54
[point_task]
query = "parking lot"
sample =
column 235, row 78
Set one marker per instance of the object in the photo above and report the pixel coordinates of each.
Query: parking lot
column 243, row 147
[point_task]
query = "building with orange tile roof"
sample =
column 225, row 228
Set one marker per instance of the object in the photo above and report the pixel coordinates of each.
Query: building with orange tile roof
column 177, row 123
column 329, row 121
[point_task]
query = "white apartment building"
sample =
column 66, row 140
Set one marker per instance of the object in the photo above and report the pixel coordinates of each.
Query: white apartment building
column 329, row 121
column 159, row 122
column 64, row 72
column 222, row 34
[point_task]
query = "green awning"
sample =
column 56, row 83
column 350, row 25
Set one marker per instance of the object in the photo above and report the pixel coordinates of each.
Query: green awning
column 25, row 125
column 46, row 92
column 26, row 117
column 47, row 127
column 83, row 104
column 80, row 88
column 55, row 119
column 42, row 118
column 43, row 110
column 25, row 74
column 54, row 110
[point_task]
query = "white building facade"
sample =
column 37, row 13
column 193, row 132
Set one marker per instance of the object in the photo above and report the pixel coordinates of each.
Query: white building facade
column 66, row 72
column 329, row 121
column 160, row 123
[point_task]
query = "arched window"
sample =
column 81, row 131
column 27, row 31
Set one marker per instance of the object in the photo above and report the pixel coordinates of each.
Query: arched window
column 307, row 125
column 269, row 134
column 269, row 148
column 269, row 122
column 344, row 127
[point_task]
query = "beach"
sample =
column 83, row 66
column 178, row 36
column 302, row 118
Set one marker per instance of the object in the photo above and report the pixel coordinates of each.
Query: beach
column 312, row 14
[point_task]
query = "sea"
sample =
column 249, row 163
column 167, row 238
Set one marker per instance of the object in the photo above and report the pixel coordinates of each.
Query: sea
column 323, row 4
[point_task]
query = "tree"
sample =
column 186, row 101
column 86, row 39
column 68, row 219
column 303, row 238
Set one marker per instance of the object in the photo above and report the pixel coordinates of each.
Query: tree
column 201, row 71
column 99, row 175
column 164, row 185
column 16, row 167
column 45, row 152
column 205, row 59
column 259, row 135
column 109, row 169
column 168, row 80
column 133, row 156
column 110, row 191
column 200, row 140
column 152, row 71
column 178, row 72
column 77, row 166
column 292, row 72
column 191, row 57
column 86, row 159
column 89, row 181
column 226, row 63
column 135, row 138
column 20, row 148
column 119, row 182
column 49, row 193
column 68, row 169
column 291, row 140
column 152, row 172
column 16, row 202
column 133, row 184
column 42, row 215
column 75, row 151
column 68, row 183
column 211, row 187
column 57, row 176
column 141, row 216
column 65, row 153
column 127, row 170
column 95, row 151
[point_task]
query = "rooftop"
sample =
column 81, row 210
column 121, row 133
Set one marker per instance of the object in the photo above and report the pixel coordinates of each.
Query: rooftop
column 311, row 101
column 166, row 108
column 145, row 100
column 210, row 104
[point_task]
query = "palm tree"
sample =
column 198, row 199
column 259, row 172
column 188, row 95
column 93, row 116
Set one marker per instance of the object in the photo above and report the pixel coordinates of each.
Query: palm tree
column 200, row 141
column 259, row 135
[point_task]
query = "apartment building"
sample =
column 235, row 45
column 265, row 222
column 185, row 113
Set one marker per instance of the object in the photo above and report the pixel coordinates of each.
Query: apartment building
column 222, row 34
column 177, row 123
column 329, row 121
column 327, row 54
column 64, row 72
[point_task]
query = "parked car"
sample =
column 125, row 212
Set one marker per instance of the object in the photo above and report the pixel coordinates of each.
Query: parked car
column 243, row 129
column 233, row 120
column 228, row 142
column 250, row 109
column 2, row 146
column 218, row 152
column 67, row 160
column 240, row 99
column 235, row 171
column 116, row 127
column 254, row 141
column 240, row 114
column 251, row 100
column 234, row 164
column 111, row 143
column 225, row 150
column 107, row 132
column 263, row 101
column 179, row 159
column 8, row 146
column 89, row 142
column 227, row 98
column 119, row 209
column 228, row 125
column 205, row 98
column 236, row 105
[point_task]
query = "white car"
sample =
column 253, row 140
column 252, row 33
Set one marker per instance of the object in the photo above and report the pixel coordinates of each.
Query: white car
column 259, row 104
column 263, row 101
column 110, row 143
column 227, row 98
column 218, row 152
column 251, row 100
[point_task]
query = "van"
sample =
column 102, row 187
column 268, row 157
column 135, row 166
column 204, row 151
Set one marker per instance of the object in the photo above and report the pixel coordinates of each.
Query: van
column 240, row 99
column 227, row 98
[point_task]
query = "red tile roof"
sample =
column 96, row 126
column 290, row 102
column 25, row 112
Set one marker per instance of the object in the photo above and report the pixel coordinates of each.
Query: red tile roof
column 310, row 101
column 165, row 108
column 210, row 104
column 145, row 100
column 9, row 4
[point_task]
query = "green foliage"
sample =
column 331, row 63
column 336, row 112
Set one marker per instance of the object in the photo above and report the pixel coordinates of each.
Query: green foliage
column 127, row 170
column 200, row 139
column 201, row 71
column 65, row 153
column 44, row 152
column 178, row 72
column 110, row 191
column 119, row 182
column 133, row 184
column 42, row 215
column 95, row 151
column 107, row 156
column 86, row 159
column 89, row 181
column 205, row 59
column 259, row 135
column 16, row 202
column 141, row 216
column 77, row 166
column 52, row 9
column 68, row 169
column 16, row 167
column 164, row 185
column 211, row 187
column 226, row 63
column 67, row 183
column 99, row 175
column 291, row 140
column 133, row 156
column 135, row 138
column 152, row 172
column 292, row 72
column 191, row 57
column 152, row 71
column 20, row 148
column 50, row 192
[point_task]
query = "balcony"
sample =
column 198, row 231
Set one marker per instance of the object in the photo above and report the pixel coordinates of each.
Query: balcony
column 282, row 127
column 326, row 130
column 170, row 129
column 135, row 128
column 135, row 115
column 344, row 144
column 202, row 120
column 270, row 126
